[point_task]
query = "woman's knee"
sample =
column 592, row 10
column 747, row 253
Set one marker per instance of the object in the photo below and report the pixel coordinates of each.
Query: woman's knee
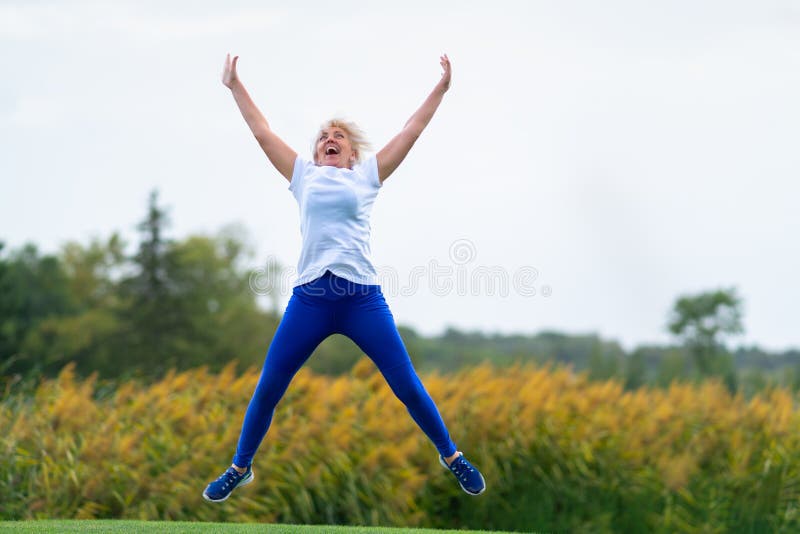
column 406, row 385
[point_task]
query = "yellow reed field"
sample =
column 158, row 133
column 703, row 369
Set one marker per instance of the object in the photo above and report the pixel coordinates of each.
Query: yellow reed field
column 558, row 452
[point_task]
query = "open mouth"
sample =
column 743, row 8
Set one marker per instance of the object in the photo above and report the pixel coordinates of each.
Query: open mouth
column 331, row 149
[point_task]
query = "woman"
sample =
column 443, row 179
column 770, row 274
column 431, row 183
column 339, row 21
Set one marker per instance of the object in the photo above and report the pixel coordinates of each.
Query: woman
column 337, row 290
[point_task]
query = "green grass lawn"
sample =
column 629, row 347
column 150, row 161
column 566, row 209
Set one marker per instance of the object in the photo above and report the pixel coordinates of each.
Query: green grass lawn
column 188, row 527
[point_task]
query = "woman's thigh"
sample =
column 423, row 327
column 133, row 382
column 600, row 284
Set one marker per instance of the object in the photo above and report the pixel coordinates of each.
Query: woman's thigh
column 305, row 324
column 369, row 322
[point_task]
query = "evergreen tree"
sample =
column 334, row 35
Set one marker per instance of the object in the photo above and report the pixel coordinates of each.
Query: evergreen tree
column 150, row 316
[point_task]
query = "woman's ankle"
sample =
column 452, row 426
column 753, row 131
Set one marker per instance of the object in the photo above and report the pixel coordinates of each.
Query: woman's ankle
column 240, row 470
column 450, row 459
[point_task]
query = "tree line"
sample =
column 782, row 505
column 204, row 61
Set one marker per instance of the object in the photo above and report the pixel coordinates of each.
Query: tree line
column 178, row 304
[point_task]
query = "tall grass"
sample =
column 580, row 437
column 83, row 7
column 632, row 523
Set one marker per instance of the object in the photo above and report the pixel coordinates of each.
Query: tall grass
column 559, row 453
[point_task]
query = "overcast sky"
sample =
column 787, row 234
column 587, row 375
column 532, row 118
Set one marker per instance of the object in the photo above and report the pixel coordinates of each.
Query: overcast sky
column 601, row 157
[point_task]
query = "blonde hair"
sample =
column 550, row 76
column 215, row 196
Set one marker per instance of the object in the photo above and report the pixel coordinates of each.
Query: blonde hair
column 357, row 137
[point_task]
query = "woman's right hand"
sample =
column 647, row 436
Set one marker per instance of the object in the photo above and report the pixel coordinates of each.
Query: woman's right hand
column 229, row 75
column 444, row 61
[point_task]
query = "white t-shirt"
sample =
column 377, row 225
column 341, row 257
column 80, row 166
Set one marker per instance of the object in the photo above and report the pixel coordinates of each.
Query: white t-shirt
column 335, row 205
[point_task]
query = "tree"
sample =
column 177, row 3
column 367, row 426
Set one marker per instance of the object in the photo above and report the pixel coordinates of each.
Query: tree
column 602, row 366
column 635, row 370
column 32, row 288
column 89, row 336
column 188, row 302
column 149, row 314
column 702, row 321
column 93, row 271
column 219, row 316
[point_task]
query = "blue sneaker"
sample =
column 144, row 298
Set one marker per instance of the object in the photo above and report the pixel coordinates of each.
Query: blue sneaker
column 221, row 489
column 468, row 476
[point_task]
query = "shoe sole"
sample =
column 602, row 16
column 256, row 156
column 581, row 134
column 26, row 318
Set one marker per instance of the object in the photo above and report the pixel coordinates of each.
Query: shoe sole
column 444, row 464
column 245, row 481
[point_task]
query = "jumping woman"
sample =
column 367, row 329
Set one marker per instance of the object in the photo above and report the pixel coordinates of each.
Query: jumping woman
column 337, row 291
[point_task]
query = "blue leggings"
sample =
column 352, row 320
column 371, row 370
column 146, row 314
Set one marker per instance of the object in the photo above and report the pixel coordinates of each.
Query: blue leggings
column 334, row 305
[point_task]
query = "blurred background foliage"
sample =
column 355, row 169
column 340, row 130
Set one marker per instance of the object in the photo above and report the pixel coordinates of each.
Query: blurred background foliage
column 560, row 452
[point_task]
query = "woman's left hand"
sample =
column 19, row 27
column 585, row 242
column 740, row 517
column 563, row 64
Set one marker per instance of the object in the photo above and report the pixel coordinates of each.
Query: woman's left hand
column 229, row 75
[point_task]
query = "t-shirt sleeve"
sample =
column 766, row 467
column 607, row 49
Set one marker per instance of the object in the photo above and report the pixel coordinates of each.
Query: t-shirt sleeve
column 298, row 173
column 369, row 167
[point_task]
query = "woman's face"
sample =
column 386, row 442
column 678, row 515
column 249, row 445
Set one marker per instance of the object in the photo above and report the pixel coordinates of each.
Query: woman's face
column 334, row 149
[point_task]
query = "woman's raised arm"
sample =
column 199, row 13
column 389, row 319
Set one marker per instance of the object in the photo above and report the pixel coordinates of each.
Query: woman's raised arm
column 390, row 156
column 279, row 153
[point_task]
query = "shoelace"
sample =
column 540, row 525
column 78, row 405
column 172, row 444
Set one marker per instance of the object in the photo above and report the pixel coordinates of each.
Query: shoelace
column 461, row 468
column 230, row 476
